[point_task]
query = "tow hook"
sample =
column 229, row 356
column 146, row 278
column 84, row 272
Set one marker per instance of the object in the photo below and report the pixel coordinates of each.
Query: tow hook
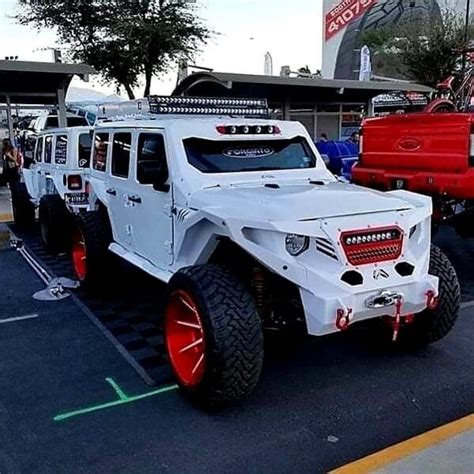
column 383, row 299
column 398, row 315
column 343, row 318
column 431, row 300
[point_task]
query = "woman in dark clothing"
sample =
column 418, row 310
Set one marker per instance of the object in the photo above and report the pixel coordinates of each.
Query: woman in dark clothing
column 12, row 162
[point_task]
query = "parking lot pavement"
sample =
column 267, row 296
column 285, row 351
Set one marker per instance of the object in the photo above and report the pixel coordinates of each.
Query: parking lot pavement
column 319, row 405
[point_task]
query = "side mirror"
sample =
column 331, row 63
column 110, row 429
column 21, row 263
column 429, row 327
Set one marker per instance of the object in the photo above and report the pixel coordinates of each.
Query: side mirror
column 153, row 172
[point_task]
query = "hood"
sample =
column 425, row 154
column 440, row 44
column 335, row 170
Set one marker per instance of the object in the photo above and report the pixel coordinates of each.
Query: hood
column 294, row 202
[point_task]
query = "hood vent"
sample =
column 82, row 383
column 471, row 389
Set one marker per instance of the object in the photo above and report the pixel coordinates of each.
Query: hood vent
column 326, row 247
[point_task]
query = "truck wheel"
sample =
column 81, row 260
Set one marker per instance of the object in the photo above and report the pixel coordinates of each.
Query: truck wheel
column 213, row 335
column 431, row 325
column 91, row 238
column 55, row 223
column 23, row 208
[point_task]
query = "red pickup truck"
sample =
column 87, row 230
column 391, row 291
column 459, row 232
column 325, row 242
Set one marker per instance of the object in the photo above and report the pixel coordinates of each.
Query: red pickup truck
column 428, row 153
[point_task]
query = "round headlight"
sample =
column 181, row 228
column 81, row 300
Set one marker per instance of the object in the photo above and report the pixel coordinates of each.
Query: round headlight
column 296, row 244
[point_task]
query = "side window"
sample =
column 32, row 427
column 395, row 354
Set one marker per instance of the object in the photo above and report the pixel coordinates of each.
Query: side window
column 84, row 151
column 39, row 150
column 151, row 153
column 101, row 145
column 121, row 154
column 48, row 148
column 60, row 150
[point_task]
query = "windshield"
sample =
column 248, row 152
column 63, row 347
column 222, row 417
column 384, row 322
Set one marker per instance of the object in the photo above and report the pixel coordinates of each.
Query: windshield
column 210, row 156
column 52, row 122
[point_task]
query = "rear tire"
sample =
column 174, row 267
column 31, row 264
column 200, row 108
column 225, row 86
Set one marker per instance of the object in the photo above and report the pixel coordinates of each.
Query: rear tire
column 209, row 304
column 23, row 208
column 55, row 223
column 432, row 325
column 91, row 238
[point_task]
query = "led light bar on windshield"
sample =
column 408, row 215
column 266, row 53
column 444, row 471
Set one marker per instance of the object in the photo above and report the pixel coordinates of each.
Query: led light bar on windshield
column 208, row 106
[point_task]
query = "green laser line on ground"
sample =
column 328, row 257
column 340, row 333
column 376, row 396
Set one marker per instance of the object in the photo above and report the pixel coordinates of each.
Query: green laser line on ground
column 123, row 399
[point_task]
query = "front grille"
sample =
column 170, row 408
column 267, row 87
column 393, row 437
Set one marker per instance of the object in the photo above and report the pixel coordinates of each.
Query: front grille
column 372, row 245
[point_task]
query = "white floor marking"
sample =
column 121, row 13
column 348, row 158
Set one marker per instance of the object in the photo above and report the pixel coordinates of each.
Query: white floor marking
column 19, row 318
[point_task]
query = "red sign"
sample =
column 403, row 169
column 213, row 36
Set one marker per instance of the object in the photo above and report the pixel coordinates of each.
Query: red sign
column 343, row 13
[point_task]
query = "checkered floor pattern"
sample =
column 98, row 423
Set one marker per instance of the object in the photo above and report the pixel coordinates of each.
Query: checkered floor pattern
column 127, row 306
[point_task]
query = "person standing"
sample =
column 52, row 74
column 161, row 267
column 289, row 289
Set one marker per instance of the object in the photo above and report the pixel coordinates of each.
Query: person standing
column 11, row 163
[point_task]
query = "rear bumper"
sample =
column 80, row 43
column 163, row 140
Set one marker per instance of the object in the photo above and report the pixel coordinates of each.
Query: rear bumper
column 452, row 185
column 321, row 312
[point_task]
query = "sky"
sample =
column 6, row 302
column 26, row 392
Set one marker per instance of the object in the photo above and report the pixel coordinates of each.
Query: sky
column 289, row 29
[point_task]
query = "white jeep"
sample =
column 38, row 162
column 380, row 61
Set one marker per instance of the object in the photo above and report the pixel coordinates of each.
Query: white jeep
column 250, row 230
column 55, row 183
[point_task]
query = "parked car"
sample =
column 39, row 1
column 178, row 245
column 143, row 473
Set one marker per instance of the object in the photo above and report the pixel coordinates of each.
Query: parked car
column 428, row 153
column 241, row 219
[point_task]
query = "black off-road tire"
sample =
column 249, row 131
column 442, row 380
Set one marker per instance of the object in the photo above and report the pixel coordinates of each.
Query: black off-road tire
column 233, row 333
column 23, row 208
column 383, row 14
column 55, row 223
column 95, row 230
column 432, row 325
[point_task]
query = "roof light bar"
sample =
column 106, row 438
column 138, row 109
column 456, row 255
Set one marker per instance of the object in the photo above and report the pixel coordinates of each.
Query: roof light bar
column 208, row 106
column 160, row 109
column 171, row 105
column 206, row 101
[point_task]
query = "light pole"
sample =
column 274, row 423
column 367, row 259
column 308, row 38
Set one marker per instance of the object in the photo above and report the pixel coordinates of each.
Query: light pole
column 466, row 36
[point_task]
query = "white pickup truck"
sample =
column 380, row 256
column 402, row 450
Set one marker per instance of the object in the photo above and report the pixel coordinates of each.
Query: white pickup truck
column 240, row 217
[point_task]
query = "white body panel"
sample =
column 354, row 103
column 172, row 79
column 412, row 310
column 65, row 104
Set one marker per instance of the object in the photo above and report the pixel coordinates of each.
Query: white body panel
column 54, row 164
column 176, row 228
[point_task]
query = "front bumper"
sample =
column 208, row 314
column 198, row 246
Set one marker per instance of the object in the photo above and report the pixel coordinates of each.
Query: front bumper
column 321, row 311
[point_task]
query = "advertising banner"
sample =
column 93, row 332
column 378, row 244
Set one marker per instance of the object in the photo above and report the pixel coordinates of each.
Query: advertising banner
column 346, row 22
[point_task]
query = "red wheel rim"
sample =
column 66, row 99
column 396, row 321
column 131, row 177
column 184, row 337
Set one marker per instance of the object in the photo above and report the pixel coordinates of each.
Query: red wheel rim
column 79, row 255
column 185, row 341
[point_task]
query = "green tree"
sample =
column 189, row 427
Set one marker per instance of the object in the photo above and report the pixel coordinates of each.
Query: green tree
column 426, row 50
column 124, row 40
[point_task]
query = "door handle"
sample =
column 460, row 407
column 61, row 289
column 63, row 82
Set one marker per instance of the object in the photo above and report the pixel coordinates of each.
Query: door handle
column 111, row 191
column 135, row 199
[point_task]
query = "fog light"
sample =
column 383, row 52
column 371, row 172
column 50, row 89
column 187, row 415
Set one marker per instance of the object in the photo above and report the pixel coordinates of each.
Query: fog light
column 296, row 244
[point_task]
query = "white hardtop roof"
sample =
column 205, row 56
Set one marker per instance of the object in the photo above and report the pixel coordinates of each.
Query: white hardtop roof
column 79, row 129
column 161, row 121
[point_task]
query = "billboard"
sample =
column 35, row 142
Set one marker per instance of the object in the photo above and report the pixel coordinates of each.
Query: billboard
column 347, row 21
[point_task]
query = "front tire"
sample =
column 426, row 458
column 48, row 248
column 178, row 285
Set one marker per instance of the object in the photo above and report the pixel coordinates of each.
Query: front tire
column 432, row 325
column 55, row 223
column 213, row 335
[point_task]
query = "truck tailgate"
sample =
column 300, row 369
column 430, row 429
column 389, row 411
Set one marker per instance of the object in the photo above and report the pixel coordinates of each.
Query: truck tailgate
column 419, row 141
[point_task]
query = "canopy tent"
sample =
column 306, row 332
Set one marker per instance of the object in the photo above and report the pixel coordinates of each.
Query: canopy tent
column 38, row 83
